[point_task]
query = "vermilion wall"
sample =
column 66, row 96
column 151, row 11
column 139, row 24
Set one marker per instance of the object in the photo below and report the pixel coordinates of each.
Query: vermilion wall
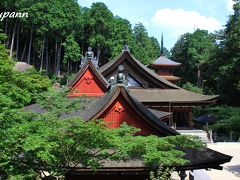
column 88, row 85
column 120, row 111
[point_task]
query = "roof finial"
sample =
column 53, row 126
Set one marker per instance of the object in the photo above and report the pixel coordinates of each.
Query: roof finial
column 120, row 78
column 125, row 48
column 89, row 54
column 162, row 44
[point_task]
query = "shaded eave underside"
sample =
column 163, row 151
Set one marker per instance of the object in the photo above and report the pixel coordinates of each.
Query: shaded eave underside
column 170, row 78
column 171, row 96
column 144, row 70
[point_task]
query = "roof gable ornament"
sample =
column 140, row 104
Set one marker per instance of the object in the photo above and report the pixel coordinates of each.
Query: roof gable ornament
column 120, row 79
column 125, row 48
column 89, row 55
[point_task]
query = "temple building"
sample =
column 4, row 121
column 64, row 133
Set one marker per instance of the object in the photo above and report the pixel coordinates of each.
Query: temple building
column 143, row 84
column 126, row 91
column 125, row 102
column 164, row 67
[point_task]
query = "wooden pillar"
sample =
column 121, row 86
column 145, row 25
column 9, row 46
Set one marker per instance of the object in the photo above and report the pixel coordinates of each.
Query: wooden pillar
column 190, row 122
column 182, row 175
column 171, row 124
column 191, row 176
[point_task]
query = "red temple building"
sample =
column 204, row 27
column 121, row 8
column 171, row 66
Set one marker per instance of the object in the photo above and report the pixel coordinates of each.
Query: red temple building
column 129, row 92
column 88, row 82
column 156, row 92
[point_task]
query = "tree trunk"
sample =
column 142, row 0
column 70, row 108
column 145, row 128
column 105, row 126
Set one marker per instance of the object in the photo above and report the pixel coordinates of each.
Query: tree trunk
column 199, row 76
column 47, row 57
column 6, row 29
column 6, row 25
column 30, row 46
column 9, row 35
column 13, row 38
column 98, row 55
column 24, row 50
column 68, row 66
column 59, row 58
column 55, row 59
column 42, row 53
column 17, row 41
column 33, row 55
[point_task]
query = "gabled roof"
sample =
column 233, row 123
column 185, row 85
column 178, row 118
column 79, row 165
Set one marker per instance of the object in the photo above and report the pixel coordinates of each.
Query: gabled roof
column 125, row 57
column 164, row 61
column 79, row 74
column 172, row 96
column 104, row 102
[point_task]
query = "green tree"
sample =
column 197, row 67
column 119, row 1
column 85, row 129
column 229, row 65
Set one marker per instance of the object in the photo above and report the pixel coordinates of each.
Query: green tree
column 72, row 51
column 98, row 25
column 146, row 49
column 48, row 144
column 194, row 50
column 229, row 57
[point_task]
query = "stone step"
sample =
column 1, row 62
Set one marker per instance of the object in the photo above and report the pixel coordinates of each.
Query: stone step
column 200, row 133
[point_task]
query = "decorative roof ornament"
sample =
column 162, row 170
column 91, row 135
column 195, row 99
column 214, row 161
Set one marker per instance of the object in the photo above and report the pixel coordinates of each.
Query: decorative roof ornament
column 89, row 55
column 120, row 79
column 125, row 48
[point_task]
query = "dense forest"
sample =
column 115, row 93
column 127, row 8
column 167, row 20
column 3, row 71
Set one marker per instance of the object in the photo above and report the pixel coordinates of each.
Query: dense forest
column 56, row 34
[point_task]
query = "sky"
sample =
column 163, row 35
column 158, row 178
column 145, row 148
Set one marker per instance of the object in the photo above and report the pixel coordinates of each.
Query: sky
column 171, row 18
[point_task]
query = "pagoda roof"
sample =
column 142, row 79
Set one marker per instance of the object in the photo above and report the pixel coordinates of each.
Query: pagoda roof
column 149, row 117
column 170, row 78
column 164, row 61
column 178, row 96
column 81, row 71
column 127, row 58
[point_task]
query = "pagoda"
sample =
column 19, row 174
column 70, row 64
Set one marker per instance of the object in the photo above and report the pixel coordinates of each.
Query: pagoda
column 164, row 67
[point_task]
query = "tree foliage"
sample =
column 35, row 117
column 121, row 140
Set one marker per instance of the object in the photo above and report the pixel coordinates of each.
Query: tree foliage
column 48, row 144
column 56, row 28
column 194, row 50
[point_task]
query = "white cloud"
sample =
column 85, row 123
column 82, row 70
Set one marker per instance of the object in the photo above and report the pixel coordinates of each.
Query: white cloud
column 179, row 21
column 230, row 5
column 134, row 20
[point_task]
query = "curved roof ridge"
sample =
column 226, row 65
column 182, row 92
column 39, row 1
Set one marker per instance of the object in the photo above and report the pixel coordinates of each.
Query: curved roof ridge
column 146, row 69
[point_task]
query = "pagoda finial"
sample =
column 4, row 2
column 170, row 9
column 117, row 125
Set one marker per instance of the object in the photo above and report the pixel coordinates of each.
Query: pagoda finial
column 162, row 44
